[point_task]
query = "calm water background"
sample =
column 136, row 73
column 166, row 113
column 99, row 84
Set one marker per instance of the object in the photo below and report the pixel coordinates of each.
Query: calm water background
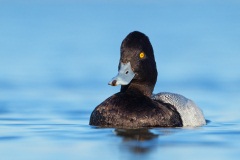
column 56, row 58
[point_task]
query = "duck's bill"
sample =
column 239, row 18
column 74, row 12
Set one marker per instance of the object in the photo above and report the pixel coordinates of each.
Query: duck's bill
column 125, row 75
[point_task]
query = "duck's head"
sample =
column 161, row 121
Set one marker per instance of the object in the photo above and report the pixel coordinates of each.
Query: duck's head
column 137, row 67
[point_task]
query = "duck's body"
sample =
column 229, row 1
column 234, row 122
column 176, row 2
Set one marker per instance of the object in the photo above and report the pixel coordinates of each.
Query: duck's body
column 132, row 110
column 135, row 106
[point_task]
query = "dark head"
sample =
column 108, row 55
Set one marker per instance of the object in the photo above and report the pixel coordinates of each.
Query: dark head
column 137, row 66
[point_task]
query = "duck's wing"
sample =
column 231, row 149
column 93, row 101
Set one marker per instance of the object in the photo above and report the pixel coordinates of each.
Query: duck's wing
column 191, row 114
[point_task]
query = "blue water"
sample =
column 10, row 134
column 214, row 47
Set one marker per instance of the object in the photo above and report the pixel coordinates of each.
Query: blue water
column 56, row 58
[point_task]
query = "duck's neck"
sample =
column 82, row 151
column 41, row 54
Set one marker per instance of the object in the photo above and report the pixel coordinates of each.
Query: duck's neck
column 144, row 89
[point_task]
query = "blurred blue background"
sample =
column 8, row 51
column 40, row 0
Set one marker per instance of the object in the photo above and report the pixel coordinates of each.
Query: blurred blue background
column 56, row 58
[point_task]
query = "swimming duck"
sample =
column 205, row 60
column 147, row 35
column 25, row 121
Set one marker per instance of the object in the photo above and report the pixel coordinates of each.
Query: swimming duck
column 135, row 106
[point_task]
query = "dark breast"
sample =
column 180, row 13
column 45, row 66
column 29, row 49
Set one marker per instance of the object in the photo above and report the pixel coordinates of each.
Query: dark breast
column 133, row 111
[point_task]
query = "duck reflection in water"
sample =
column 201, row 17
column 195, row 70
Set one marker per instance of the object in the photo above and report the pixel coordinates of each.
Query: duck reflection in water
column 139, row 140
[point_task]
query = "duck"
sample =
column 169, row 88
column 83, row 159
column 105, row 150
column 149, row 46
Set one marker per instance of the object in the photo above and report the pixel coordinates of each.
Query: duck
column 135, row 105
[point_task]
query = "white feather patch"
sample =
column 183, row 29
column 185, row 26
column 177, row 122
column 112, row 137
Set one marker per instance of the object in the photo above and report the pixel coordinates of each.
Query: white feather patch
column 191, row 114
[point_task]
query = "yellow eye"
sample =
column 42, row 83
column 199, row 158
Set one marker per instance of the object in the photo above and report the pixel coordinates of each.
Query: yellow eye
column 142, row 55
